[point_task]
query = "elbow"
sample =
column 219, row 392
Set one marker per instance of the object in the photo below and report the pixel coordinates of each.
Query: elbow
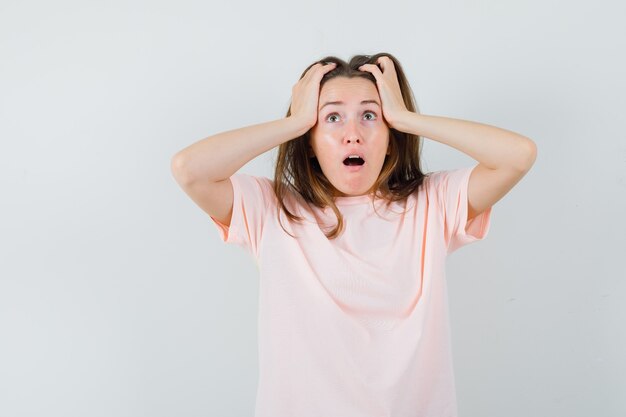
column 532, row 151
column 178, row 168
column 530, row 155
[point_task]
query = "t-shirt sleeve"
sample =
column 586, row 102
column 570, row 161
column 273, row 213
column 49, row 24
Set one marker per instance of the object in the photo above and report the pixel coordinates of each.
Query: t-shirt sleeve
column 451, row 189
column 251, row 205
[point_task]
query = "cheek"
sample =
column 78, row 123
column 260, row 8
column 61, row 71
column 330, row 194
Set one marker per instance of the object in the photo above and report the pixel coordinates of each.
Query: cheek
column 325, row 139
column 322, row 146
column 323, row 130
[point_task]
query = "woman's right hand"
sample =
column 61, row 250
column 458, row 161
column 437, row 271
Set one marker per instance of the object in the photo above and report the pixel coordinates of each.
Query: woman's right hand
column 305, row 94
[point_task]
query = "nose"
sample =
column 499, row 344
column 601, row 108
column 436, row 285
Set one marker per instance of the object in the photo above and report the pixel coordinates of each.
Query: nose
column 352, row 134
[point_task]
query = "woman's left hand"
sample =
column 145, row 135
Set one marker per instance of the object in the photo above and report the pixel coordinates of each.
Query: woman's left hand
column 388, row 89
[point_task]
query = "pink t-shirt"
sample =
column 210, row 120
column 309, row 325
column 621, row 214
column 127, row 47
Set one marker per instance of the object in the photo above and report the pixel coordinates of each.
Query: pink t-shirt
column 357, row 326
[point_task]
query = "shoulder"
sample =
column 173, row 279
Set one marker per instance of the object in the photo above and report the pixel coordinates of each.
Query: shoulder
column 256, row 180
column 445, row 178
column 248, row 187
column 249, row 182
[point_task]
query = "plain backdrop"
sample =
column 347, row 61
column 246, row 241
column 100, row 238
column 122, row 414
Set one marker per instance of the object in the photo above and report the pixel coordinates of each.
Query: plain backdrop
column 117, row 297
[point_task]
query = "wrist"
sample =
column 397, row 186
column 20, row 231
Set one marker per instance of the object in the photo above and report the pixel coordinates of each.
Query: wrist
column 403, row 120
column 300, row 125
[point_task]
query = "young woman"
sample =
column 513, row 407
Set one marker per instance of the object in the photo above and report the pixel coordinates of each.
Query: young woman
column 351, row 238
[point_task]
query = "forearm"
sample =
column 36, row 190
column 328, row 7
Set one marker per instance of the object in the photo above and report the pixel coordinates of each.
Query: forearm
column 491, row 146
column 217, row 157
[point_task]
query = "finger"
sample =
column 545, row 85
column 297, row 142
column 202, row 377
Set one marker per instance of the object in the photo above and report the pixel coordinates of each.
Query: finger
column 385, row 61
column 311, row 70
column 317, row 72
column 324, row 67
column 372, row 69
column 329, row 66
column 387, row 66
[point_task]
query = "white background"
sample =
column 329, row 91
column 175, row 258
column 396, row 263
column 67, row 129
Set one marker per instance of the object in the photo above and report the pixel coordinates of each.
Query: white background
column 117, row 297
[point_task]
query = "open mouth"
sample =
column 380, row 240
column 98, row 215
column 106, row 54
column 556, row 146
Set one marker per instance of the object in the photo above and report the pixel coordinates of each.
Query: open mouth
column 353, row 160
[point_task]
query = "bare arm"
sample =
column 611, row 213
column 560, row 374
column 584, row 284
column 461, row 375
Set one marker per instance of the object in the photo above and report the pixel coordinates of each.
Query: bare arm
column 493, row 147
column 217, row 157
column 504, row 157
column 203, row 169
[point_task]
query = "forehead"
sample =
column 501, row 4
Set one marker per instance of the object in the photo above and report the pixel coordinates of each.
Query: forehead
column 348, row 89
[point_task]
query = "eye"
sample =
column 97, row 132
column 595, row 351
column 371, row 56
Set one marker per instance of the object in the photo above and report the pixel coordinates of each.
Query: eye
column 331, row 115
column 372, row 113
column 367, row 112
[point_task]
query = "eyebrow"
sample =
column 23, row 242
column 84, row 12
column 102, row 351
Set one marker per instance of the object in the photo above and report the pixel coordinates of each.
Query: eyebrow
column 341, row 102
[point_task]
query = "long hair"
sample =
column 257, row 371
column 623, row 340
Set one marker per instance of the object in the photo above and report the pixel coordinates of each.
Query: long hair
column 296, row 171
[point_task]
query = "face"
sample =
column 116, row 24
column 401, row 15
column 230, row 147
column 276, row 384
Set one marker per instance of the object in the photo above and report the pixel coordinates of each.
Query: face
column 350, row 127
